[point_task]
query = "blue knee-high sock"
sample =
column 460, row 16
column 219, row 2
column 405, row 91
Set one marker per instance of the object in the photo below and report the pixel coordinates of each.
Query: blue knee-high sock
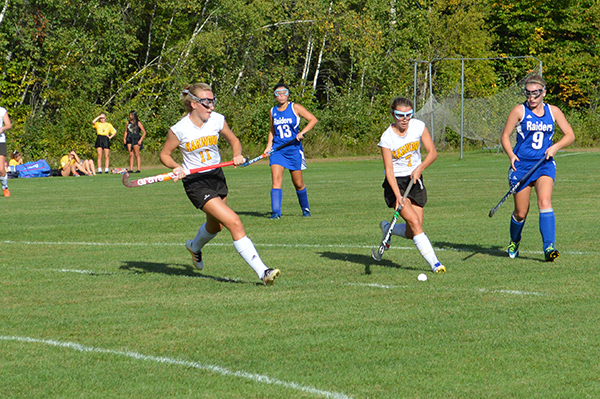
column 547, row 226
column 516, row 228
column 303, row 198
column 276, row 197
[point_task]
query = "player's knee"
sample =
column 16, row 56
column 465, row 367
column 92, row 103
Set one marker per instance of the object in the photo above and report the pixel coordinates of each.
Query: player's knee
column 234, row 225
column 544, row 203
column 519, row 215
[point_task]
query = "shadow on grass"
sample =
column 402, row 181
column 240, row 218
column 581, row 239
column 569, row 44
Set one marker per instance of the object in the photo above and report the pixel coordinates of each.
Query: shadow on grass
column 254, row 214
column 474, row 249
column 364, row 260
column 179, row 270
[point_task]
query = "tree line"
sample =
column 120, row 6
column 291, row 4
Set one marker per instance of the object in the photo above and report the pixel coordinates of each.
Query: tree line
column 66, row 61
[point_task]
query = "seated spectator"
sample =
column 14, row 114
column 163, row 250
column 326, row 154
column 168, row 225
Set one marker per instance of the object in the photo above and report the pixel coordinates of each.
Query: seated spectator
column 15, row 159
column 70, row 164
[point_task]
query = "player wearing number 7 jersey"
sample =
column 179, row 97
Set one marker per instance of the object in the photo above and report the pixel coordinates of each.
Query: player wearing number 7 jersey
column 535, row 123
column 400, row 148
column 285, row 123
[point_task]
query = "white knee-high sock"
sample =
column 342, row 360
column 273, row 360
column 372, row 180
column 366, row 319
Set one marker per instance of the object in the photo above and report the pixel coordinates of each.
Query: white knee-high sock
column 4, row 181
column 247, row 251
column 425, row 248
column 202, row 238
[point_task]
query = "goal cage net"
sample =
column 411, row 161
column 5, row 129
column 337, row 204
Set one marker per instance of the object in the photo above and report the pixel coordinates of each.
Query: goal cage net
column 483, row 118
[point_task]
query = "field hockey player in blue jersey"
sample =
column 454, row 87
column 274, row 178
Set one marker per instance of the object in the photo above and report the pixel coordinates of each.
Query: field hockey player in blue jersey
column 285, row 122
column 535, row 122
column 197, row 136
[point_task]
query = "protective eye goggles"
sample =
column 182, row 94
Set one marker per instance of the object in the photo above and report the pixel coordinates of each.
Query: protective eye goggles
column 534, row 93
column 282, row 92
column 401, row 115
column 207, row 102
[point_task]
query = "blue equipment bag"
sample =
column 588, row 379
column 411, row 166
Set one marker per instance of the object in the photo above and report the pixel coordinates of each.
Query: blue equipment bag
column 34, row 169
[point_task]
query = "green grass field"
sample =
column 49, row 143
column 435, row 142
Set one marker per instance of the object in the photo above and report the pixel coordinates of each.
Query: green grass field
column 98, row 298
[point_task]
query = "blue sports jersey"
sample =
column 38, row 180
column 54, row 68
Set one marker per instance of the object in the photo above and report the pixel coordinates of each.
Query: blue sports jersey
column 286, row 124
column 534, row 134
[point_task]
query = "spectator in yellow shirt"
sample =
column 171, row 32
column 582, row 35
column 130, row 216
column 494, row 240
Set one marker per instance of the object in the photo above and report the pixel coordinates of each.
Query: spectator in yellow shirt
column 105, row 132
column 70, row 164
column 15, row 159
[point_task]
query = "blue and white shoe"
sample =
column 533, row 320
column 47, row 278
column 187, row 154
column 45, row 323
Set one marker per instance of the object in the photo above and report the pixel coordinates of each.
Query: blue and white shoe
column 275, row 216
column 513, row 249
column 306, row 212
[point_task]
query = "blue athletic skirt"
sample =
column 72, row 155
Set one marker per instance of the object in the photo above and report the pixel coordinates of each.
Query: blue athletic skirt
column 548, row 168
column 292, row 159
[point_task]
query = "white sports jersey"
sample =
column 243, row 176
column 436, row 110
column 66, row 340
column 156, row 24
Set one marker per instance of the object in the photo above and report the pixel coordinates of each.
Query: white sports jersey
column 406, row 151
column 2, row 135
column 198, row 145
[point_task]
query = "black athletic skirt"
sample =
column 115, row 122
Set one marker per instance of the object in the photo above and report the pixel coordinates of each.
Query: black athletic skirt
column 417, row 195
column 202, row 187
column 102, row 142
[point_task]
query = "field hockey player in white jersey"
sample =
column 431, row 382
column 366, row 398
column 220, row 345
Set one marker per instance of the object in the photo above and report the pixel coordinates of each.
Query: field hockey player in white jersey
column 400, row 148
column 5, row 124
column 535, row 124
column 197, row 135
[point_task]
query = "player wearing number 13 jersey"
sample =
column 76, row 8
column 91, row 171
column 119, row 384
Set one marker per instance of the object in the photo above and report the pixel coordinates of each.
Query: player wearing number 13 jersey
column 285, row 123
column 534, row 122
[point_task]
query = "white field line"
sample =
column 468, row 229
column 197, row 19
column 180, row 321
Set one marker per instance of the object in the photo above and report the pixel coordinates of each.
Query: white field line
column 511, row 292
column 185, row 363
column 335, row 246
column 376, row 285
column 371, row 285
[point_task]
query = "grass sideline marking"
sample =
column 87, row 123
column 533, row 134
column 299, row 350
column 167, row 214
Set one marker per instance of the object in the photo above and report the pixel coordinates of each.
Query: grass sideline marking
column 511, row 292
column 185, row 363
column 338, row 246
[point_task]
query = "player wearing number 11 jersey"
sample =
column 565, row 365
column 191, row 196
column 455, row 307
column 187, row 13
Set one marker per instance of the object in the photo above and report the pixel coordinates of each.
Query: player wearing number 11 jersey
column 285, row 123
column 535, row 122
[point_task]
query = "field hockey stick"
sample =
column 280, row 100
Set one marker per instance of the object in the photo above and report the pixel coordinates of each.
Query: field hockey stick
column 167, row 176
column 514, row 188
column 265, row 155
column 377, row 254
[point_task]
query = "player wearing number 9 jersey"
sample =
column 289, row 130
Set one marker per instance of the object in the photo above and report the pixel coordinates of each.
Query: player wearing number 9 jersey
column 285, row 122
column 535, row 125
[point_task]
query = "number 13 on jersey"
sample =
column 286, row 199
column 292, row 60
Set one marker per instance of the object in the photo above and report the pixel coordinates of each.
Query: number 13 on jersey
column 284, row 131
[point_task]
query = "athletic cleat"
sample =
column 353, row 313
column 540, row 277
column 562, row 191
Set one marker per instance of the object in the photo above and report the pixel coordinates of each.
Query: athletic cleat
column 439, row 268
column 270, row 276
column 513, row 249
column 550, row 253
column 306, row 212
column 196, row 256
column 384, row 228
column 6, row 192
column 275, row 216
